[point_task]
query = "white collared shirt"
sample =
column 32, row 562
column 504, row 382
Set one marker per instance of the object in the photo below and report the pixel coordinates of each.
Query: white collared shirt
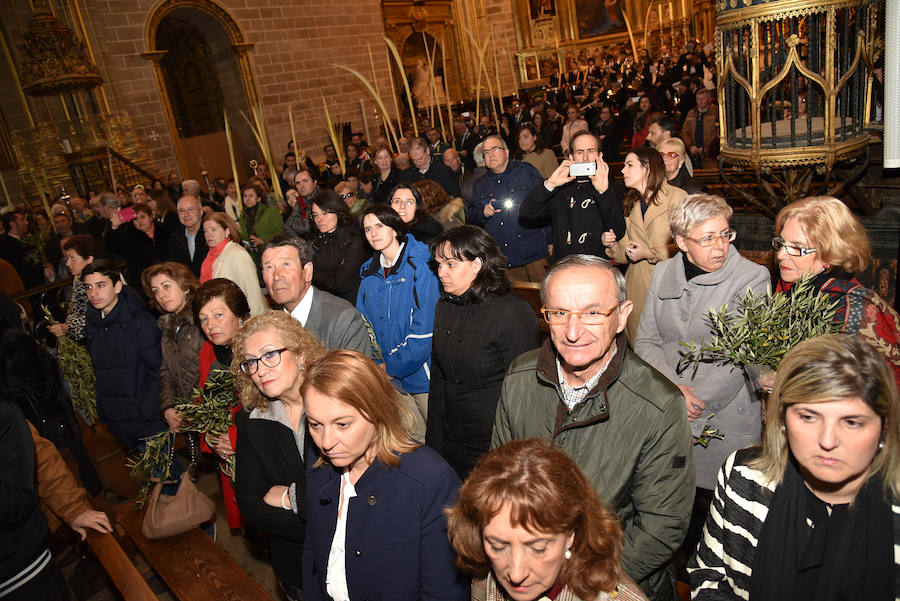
column 385, row 263
column 301, row 311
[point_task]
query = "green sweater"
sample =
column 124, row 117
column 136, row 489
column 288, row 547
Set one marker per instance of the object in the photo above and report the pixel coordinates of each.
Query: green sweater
column 268, row 223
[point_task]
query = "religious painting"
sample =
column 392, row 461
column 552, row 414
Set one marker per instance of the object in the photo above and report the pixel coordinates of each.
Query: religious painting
column 541, row 9
column 598, row 17
column 531, row 68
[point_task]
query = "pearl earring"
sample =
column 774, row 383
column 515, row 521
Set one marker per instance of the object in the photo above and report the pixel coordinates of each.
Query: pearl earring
column 568, row 553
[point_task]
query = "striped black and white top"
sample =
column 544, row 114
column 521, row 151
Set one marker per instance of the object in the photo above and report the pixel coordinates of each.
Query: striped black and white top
column 721, row 568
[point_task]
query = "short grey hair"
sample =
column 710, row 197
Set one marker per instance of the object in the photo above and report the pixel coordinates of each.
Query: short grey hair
column 302, row 246
column 585, row 261
column 694, row 210
column 497, row 137
column 190, row 187
column 110, row 201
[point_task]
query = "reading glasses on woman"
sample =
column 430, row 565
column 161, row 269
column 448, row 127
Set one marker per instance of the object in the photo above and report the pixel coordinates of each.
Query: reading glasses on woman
column 725, row 236
column 795, row 250
column 588, row 317
column 270, row 359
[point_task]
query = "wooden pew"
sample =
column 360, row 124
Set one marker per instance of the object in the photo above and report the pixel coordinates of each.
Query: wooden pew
column 531, row 293
column 191, row 564
column 118, row 566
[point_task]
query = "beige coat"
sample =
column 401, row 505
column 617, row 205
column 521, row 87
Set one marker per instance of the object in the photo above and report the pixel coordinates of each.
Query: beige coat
column 653, row 230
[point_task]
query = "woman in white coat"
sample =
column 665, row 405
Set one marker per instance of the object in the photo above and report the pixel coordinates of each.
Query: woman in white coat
column 228, row 259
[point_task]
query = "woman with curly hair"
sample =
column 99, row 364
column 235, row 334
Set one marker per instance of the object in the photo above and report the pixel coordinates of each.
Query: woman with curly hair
column 447, row 211
column 648, row 239
column 271, row 352
column 528, row 525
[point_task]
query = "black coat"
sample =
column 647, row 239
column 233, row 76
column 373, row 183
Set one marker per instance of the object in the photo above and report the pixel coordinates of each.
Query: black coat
column 177, row 250
column 383, row 188
column 437, row 172
column 268, row 457
column 337, row 258
column 140, row 251
column 125, row 350
column 472, row 346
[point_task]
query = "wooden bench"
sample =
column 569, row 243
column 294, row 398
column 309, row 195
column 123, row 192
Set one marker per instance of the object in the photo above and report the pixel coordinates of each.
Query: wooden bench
column 126, row 578
column 530, row 292
column 191, row 564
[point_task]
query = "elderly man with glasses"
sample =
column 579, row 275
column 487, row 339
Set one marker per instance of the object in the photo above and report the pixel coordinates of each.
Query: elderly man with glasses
column 622, row 421
column 495, row 206
column 581, row 207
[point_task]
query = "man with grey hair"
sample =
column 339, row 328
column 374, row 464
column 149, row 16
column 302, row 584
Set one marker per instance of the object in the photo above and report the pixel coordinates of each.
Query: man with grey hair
column 495, row 206
column 622, row 421
column 426, row 167
column 287, row 270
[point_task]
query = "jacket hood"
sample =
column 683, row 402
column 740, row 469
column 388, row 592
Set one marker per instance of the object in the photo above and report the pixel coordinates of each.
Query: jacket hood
column 413, row 251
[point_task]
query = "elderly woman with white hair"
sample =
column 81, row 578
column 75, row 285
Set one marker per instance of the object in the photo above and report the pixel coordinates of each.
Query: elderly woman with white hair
column 674, row 156
column 706, row 274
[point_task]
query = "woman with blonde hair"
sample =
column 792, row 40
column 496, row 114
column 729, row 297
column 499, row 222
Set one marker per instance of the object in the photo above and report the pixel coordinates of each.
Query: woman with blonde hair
column 375, row 497
column 228, row 259
column 271, row 352
column 813, row 513
column 648, row 239
column 528, row 525
column 819, row 237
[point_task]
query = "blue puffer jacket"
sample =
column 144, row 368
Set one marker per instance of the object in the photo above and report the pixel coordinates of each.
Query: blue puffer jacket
column 125, row 349
column 400, row 308
column 520, row 240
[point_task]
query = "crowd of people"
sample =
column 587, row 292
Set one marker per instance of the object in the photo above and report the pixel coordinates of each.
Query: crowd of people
column 403, row 430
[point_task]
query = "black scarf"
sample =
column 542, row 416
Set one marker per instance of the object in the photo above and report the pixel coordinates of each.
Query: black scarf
column 847, row 556
column 250, row 213
column 690, row 270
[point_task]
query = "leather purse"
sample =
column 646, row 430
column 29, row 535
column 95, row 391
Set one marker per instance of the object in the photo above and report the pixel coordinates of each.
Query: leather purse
column 168, row 515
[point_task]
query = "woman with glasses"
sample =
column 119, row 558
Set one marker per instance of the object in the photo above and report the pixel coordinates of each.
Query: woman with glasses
column 397, row 296
column 820, row 237
column 706, row 274
column 338, row 248
column 375, row 498
column 647, row 239
column 271, row 353
column 347, row 192
column 406, row 200
column 673, row 154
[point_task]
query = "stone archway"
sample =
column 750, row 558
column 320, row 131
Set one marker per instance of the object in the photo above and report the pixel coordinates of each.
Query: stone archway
column 201, row 66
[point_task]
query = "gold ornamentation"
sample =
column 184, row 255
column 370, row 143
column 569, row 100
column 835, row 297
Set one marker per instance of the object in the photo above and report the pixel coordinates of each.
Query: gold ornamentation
column 54, row 60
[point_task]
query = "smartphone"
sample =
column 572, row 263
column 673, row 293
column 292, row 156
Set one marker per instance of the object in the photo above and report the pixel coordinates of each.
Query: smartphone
column 125, row 215
column 582, row 169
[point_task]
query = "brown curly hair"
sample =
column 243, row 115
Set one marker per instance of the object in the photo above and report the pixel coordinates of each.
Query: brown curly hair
column 295, row 336
column 547, row 493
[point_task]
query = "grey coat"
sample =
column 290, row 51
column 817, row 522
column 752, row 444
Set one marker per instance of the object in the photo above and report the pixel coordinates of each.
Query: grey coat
column 677, row 310
column 337, row 323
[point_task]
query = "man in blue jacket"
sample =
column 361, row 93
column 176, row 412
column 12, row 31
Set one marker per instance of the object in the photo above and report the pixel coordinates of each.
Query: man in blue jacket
column 495, row 206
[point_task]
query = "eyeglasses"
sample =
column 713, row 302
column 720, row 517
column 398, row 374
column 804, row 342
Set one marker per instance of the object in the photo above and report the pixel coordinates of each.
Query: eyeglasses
column 795, row 250
column 402, row 203
column 346, row 195
column 269, row 359
column 671, row 155
column 589, row 317
column 707, row 241
column 493, row 150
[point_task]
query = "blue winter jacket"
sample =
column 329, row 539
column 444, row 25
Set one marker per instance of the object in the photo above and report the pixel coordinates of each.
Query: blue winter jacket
column 522, row 241
column 400, row 308
column 125, row 349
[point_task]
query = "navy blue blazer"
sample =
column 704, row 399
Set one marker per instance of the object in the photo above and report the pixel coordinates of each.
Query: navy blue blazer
column 397, row 545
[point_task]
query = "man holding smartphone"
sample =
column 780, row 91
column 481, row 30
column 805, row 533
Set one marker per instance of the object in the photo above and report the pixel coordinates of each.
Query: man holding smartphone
column 581, row 199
